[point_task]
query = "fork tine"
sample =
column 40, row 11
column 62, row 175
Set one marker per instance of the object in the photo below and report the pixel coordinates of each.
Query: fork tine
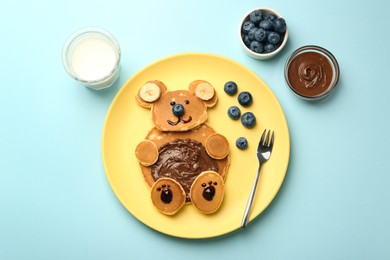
column 262, row 138
column 271, row 144
column 267, row 138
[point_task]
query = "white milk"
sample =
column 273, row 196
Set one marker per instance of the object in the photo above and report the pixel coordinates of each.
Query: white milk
column 93, row 59
column 91, row 56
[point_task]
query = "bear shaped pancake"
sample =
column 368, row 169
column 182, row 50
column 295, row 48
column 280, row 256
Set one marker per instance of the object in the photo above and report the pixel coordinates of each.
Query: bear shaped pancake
column 182, row 159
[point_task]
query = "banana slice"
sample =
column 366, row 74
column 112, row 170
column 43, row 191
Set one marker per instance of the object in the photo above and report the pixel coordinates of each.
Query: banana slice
column 204, row 91
column 150, row 92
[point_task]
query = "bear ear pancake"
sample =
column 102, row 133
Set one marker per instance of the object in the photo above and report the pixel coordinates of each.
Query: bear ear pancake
column 204, row 91
column 150, row 92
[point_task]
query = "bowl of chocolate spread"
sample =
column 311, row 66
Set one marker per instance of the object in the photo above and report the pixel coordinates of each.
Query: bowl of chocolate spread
column 311, row 72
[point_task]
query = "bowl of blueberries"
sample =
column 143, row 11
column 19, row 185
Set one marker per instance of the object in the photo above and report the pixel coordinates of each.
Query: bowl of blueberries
column 263, row 33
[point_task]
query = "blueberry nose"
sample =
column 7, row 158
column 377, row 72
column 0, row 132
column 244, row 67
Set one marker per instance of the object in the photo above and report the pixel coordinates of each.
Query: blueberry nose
column 178, row 110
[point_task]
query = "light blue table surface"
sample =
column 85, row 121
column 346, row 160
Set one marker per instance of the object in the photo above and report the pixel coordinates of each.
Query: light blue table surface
column 55, row 201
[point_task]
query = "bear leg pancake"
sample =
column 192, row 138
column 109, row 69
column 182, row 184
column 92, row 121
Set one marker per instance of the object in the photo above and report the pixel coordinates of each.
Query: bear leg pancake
column 168, row 196
column 207, row 192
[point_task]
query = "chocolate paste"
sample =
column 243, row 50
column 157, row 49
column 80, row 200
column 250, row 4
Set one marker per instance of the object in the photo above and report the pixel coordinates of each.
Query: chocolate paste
column 183, row 160
column 310, row 74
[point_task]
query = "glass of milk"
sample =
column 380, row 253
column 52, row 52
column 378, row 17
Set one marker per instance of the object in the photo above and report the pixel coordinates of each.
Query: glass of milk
column 92, row 56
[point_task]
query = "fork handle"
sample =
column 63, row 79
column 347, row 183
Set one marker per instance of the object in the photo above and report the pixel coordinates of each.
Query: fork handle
column 249, row 204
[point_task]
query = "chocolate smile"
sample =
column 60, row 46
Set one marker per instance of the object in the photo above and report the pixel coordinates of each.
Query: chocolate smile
column 180, row 120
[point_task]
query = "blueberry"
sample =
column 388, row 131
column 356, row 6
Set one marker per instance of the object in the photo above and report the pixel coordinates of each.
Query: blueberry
column 230, row 88
column 256, row 16
column 242, row 143
column 246, row 40
column 267, row 25
column 251, row 33
column 280, row 25
column 234, row 112
column 271, row 17
column 247, row 26
column 256, row 46
column 266, row 34
column 273, row 37
column 245, row 98
column 248, row 119
column 260, row 35
column 178, row 110
column 269, row 47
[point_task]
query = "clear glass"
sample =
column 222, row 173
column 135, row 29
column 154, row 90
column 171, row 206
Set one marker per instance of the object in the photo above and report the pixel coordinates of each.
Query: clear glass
column 332, row 60
column 80, row 36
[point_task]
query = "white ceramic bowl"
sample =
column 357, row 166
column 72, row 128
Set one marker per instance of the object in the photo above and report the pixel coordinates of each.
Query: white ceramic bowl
column 255, row 55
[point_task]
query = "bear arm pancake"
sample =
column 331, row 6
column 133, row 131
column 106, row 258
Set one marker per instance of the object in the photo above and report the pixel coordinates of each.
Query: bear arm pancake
column 146, row 152
column 217, row 146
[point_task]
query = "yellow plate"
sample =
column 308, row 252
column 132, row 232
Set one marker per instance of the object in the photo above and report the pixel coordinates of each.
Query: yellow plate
column 127, row 124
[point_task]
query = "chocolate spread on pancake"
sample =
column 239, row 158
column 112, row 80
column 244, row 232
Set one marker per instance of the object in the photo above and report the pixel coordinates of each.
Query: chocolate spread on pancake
column 183, row 160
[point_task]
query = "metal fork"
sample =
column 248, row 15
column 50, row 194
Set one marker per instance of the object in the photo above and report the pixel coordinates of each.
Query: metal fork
column 263, row 153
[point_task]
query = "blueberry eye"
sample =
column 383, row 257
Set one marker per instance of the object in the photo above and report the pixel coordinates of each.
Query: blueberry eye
column 186, row 102
column 173, row 103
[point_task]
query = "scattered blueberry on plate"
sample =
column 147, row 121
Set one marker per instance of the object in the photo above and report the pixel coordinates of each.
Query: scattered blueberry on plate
column 242, row 143
column 248, row 120
column 245, row 98
column 234, row 112
column 230, row 88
